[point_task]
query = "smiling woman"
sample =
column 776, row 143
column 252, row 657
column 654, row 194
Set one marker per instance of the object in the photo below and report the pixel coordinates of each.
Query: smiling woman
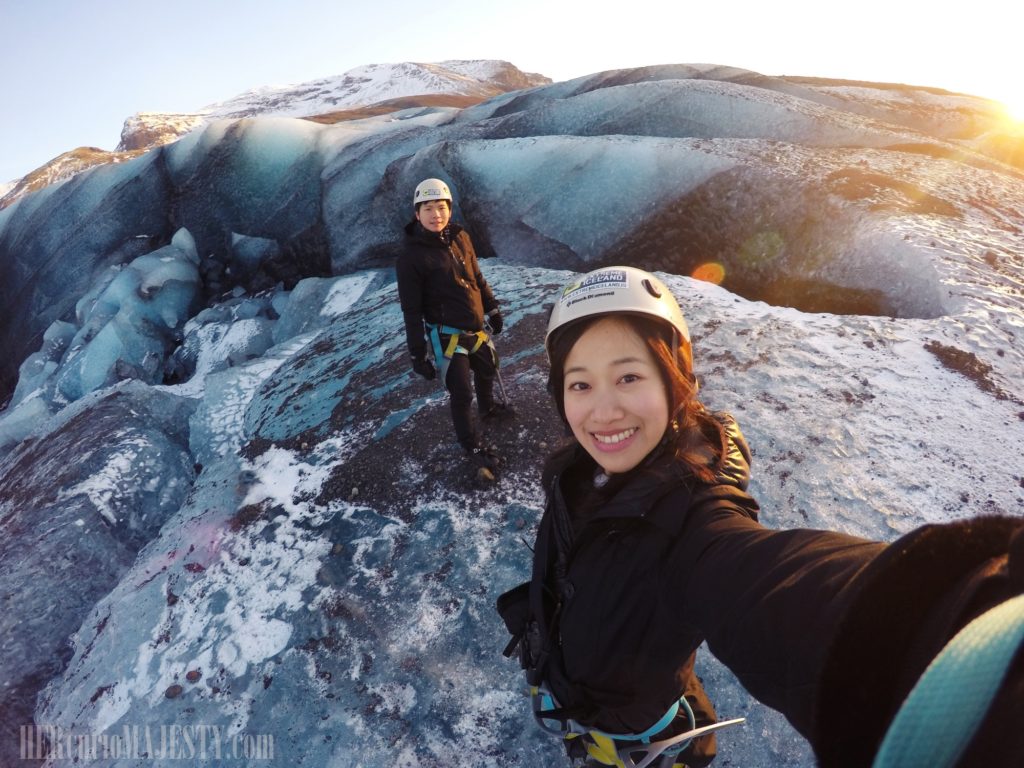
column 615, row 400
column 650, row 545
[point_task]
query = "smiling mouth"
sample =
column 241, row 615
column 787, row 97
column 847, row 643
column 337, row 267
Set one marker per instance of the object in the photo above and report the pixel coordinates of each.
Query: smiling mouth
column 616, row 438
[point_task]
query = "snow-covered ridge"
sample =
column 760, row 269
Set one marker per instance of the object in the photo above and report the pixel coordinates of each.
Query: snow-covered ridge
column 359, row 87
column 373, row 83
column 474, row 80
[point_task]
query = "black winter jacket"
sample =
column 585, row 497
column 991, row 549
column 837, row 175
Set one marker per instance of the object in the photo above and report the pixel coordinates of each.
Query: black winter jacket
column 830, row 629
column 668, row 562
column 440, row 282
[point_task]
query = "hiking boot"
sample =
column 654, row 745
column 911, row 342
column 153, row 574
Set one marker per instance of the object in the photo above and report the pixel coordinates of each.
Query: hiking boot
column 498, row 412
column 483, row 457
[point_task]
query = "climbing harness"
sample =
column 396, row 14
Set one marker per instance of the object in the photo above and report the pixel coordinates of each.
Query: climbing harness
column 943, row 711
column 622, row 749
column 459, row 343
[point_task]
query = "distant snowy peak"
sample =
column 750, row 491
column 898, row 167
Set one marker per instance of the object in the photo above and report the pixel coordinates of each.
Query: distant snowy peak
column 382, row 87
column 466, row 82
column 375, row 83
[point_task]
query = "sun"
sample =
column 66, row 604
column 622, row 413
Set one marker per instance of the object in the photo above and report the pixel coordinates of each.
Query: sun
column 1013, row 110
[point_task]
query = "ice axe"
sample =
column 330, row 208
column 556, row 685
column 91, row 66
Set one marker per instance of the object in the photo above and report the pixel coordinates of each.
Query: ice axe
column 501, row 386
column 497, row 365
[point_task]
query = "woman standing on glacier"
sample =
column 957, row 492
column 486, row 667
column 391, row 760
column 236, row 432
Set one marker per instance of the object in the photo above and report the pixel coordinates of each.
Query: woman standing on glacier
column 447, row 301
column 649, row 544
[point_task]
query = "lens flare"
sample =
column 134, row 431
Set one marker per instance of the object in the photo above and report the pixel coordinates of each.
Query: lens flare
column 709, row 272
column 1013, row 113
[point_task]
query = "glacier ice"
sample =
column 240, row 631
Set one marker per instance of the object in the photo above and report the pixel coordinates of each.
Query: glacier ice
column 39, row 366
column 315, row 301
column 50, row 258
column 78, row 499
column 258, row 178
column 226, row 500
column 129, row 328
column 272, row 201
column 314, row 387
column 19, row 421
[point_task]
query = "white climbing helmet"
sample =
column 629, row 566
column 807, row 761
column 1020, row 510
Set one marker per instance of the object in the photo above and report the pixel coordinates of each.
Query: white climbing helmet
column 615, row 290
column 431, row 189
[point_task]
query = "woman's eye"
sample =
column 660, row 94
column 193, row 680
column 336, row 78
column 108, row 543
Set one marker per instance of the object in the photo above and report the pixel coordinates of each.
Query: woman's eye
column 629, row 378
column 577, row 386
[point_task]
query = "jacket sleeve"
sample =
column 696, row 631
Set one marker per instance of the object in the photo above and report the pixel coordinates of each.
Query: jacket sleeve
column 908, row 604
column 833, row 631
column 410, row 297
column 766, row 601
column 486, row 294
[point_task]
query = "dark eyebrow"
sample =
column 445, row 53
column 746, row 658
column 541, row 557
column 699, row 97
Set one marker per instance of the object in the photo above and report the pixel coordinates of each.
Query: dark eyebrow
column 620, row 361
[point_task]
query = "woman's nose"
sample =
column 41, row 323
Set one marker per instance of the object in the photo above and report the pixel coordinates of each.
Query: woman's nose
column 606, row 407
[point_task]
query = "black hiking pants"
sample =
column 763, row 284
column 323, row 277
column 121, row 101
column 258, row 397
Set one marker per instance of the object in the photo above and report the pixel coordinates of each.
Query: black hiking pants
column 465, row 371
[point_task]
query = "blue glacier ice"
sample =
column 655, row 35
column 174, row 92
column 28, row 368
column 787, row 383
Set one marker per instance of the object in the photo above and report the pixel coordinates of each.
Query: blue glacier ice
column 221, row 337
column 50, row 259
column 253, row 177
column 124, row 328
column 272, row 201
column 78, row 498
column 315, row 301
column 39, row 366
column 227, row 504
column 128, row 328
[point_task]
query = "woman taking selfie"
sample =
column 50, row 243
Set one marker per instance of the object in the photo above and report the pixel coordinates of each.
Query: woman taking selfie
column 649, row 544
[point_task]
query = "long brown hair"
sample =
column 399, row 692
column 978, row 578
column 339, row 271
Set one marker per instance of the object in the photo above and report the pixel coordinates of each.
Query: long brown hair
column 697, row 439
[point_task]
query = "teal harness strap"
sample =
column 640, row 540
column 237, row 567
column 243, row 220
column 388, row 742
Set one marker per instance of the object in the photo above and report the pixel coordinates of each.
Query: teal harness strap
column 544, row 702
column 447, row 330
column 943, row 711
column 657, row 728
column 439, row 359
column 443, row 355
column 545, row 707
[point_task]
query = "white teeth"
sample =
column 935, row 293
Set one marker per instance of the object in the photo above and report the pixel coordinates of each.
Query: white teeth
column 616, row 438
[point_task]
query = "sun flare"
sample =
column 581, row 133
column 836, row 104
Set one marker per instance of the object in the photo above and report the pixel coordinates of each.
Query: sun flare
column 1013, row 110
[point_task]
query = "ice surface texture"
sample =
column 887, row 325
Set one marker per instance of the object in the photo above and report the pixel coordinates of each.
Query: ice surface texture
column 227, row 503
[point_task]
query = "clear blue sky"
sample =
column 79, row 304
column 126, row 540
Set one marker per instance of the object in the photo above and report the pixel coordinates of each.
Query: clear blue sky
column 74, row 70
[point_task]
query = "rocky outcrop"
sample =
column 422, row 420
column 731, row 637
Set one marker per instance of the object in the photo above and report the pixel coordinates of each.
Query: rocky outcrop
column 145, row 130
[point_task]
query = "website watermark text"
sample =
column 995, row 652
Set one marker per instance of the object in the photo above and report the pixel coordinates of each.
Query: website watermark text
column 145, row 742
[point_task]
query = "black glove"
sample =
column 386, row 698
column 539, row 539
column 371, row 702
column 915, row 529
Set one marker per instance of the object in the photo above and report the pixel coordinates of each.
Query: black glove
column 495, row 321
column 424, row 368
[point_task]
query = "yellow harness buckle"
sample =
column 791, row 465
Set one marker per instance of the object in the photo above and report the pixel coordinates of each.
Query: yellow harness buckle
column 455, row 338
